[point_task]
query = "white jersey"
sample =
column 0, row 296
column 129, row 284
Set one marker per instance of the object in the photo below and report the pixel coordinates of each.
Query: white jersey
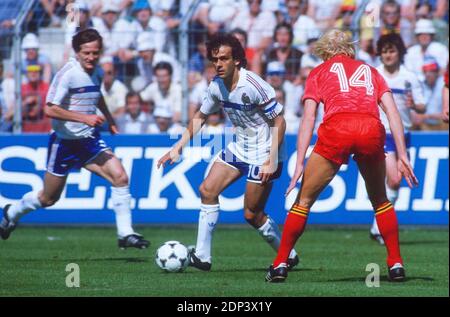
column 405, row 81
column 251, row 107
column 75, row 90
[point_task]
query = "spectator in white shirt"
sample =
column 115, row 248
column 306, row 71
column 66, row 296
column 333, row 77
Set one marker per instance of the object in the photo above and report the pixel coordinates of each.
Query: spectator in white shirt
column 113, row 90
column 134, row 121
column 426, row 47
column 164, row 123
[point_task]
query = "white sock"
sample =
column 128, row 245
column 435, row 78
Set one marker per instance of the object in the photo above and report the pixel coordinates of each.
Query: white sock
column 207, row 220
column 121, row 203
column 28, row 203
column 392, row 195
column 374, row 230
column 271, row 234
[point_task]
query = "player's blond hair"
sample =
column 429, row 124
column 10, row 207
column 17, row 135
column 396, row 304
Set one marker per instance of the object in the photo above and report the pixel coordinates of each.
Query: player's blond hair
column 334, row 42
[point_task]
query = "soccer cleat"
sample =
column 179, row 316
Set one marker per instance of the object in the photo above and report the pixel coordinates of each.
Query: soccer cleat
column 6, row 225
column 397, row 273
column 292, row 262
column 197, row 263
column 134, row 240
column 278, row 274
column 377, row 237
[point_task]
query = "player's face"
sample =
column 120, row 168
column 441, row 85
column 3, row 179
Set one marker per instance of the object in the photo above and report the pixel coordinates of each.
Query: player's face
column 223, row 62
column 89, row 55
column 390, row 56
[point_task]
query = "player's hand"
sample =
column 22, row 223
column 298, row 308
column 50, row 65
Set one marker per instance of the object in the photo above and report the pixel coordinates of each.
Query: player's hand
column 294, row 181
column 406, row 170
column 113, row 129
column 172, row 156
column 445, row 116
column 93, row 120
column 409, row 101
column 267, row 170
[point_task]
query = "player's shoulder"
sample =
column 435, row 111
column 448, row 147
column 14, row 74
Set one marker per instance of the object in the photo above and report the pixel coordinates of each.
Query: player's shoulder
column 405, row 72
column 66, row 71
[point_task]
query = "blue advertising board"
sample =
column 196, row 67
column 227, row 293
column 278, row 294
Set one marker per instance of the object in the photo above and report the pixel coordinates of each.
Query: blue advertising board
column 171, row 195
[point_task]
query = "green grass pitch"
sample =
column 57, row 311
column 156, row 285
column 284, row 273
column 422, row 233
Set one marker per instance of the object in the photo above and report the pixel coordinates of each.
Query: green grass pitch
column 333, row 263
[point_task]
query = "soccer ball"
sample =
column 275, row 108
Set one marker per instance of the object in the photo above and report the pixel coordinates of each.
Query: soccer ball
column 172, row 256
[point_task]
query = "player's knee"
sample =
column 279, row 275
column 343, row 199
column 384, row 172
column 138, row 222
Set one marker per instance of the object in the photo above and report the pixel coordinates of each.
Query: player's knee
column 206, row 193
column 394, row 183
column 120, row 180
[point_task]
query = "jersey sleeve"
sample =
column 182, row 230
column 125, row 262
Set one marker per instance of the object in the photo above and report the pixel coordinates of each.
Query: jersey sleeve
column 311, row 89
column 58, row 89
column 210, row 103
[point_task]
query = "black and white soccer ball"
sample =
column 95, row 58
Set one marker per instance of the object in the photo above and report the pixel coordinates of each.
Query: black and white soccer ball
column 172, row 256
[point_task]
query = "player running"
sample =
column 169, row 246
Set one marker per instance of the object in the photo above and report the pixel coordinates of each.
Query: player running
column 408, row 96
column 72, row 103
column 350, row 91
column 250, row 104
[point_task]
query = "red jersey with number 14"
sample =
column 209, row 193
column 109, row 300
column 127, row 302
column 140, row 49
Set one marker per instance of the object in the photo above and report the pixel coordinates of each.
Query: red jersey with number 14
column 345, row 85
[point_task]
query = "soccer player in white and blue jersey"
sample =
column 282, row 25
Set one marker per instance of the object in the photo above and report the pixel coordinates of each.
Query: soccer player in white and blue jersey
column 260, row 126
column 408, row 95
column 72, row 101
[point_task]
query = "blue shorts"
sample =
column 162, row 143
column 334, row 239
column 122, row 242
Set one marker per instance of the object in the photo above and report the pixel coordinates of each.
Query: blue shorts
column 65, row 154
column 250, row 170
column 389, row 144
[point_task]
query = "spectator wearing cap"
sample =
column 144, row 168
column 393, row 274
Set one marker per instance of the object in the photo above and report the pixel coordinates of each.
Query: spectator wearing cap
column 163, row 92
column 284, row 52
column 148, row 57
column 432, row 90
column 143, row 21
column 32, row 56
column 164, row 122
column 113, row 90
column 33, row 102
column 344, row 21
column 276, row 77
column 426, row 47
column 134, row 120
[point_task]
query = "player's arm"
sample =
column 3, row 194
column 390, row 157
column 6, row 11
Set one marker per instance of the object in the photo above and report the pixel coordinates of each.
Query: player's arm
column 104, row 109
column 55, row 112
column 445, row 104
column 303, row 140
column 195, row 124
column 395, row 123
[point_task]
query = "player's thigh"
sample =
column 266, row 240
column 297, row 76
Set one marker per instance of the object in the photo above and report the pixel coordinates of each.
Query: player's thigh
column 256, row 196
column 220, row 176
column 374, row 174
column 318, row 173
column 393, row 177
column 53, row 187
column 108, row 166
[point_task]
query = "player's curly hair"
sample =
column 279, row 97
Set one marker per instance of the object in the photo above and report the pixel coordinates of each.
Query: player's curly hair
column 334, row 42
column 392, row 40
column 227, row 39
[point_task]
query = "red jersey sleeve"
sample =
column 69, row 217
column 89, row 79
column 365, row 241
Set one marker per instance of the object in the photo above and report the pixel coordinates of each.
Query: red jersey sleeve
column 381, row 85
column 446, row 78
column 311, row 89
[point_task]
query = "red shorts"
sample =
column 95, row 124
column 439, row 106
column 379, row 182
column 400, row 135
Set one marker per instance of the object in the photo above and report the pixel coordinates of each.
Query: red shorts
column 344, row 134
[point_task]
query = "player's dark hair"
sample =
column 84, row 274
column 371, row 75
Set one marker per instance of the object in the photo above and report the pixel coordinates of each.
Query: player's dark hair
column 163, row 65
column 392, row 40
column 227, row 39
column 285, row 26
column 86, row 36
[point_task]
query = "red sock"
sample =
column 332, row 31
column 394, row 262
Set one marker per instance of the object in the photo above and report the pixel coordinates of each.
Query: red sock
column 293, row 229
column 388, row 225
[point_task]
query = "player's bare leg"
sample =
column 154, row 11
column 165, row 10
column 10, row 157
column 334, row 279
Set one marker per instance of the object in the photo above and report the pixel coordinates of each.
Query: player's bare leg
column 393, row 179
column 374, row 176
column 318, row 174
column 110, row 168
column 219, row 177
column 256, row 196
column 48, row 196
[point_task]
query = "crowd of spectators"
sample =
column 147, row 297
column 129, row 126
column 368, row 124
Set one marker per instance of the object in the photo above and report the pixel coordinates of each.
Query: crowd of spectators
column 141, row 71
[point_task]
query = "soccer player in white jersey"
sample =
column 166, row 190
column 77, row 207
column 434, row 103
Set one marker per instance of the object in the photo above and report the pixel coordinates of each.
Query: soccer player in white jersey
column 408, row 95
column 73, row 98
column 259, row 124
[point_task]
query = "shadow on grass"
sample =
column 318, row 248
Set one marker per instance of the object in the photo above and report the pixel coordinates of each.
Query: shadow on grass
column 418, row 242
column 383, row 279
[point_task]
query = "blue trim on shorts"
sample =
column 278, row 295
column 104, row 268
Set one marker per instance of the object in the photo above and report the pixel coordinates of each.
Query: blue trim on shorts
column 67, row 154
column 389, row 144
column 244, row 168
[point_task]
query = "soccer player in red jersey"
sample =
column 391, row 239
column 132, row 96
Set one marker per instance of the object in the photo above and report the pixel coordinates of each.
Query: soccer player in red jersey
column 351, row 92
column 445, row 98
